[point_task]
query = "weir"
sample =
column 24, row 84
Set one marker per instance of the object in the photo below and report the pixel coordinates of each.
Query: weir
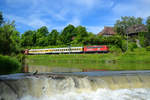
column 29, row 86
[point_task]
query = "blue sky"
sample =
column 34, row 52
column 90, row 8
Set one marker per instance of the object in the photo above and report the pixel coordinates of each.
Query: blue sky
column 56, row 14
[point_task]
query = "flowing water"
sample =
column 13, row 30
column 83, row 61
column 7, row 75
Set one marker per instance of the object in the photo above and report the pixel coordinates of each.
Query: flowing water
column 105, row 85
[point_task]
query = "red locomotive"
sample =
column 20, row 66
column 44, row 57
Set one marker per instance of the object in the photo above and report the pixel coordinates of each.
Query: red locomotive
column 92, row 49
column 85, row 49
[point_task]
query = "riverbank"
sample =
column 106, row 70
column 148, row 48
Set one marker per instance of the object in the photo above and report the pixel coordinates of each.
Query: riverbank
column 137, row 60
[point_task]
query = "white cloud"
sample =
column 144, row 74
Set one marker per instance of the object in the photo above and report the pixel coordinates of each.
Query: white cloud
column 94, row 29
column 58, row 28
column 86, row 3
column 31, row 21
column 74, row 21
column 52, row 12
column 19, row 3
column 37, row 23
column 138, row 8
column 58, row 9
column 92, row 4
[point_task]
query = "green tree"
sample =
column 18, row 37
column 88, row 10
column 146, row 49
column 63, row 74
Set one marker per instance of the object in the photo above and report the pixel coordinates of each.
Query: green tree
column 9, row 39
column 67, row 34
column 148, row 23
column 125, row 22
column 148, row 33
column 27, row 39
column 41, row 36
column 53, row 37
column 80, row 35
column 1, row 19
column 91, row 39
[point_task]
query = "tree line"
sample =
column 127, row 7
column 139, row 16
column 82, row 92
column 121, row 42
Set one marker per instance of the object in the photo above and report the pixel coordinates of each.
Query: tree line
column 11, row 41
column 72, row 35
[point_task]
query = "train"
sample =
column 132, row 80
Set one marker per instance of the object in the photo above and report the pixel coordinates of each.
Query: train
column 68, row 50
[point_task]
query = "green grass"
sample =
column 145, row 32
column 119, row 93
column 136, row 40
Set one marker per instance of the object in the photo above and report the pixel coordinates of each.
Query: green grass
column 137, row 60
column 9, row 65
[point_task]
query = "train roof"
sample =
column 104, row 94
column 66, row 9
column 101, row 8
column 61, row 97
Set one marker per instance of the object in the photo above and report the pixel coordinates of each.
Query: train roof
column 55, row 48
column 96, row 46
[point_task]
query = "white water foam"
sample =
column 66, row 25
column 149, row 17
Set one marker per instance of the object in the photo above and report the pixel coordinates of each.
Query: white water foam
column 100, row 94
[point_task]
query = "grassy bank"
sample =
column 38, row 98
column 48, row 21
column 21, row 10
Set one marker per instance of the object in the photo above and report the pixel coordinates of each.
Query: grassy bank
column 9, row 65
column 137, row 60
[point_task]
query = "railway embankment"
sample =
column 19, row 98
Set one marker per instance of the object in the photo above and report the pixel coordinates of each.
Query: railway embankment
column 137, row 60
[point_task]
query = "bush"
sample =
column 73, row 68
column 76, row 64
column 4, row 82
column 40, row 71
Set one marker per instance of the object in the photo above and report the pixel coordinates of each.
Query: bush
column 132, row 46
column 21, row 58
column 148, row 48
column 124, row 45
column 9, row 65
column 114, row 49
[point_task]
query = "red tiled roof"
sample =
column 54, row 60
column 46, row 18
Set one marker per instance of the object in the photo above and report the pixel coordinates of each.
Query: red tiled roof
column 107, row 31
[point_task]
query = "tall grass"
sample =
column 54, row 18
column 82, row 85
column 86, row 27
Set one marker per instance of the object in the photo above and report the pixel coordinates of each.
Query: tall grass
column 9, row 65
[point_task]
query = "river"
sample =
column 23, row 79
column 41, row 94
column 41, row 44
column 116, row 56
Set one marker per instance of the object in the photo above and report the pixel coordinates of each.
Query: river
column 95, row 85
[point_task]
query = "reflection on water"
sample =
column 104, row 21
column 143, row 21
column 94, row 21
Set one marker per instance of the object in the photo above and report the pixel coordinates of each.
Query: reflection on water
column 52, row 69
column 42, row 69
column 83, row 66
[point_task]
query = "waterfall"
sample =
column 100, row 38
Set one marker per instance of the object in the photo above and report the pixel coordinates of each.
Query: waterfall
column 73, row 87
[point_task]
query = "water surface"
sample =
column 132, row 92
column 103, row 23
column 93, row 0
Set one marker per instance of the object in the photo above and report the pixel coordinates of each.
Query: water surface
column 99, row 85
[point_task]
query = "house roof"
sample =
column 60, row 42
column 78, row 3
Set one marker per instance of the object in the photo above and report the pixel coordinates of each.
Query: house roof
column 107, row 31
column 137, row 28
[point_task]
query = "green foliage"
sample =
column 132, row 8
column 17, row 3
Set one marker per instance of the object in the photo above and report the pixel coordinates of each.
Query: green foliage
column 1, row 19
column 67, row 34
column 41, row 36
column 9, row 45
column 91, row 39
column 121, row 25
column 9, row 39
column 9, row 65
column 21, row 58
column 114, row 49
column 132, row 46
column 124, row 45
column 80, row 35
column 53, row 37
column 27, row 38
column 147, row 39
column 148, row 23
column 148, row 48
column 142, row 38
column 148, row 33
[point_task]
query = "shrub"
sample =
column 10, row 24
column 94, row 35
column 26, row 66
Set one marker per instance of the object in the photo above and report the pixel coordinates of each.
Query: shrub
column 124, row 45
column 21, row 58
column 148, row 48
column 114, row 49
column 9, row 65
column 132, row 46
